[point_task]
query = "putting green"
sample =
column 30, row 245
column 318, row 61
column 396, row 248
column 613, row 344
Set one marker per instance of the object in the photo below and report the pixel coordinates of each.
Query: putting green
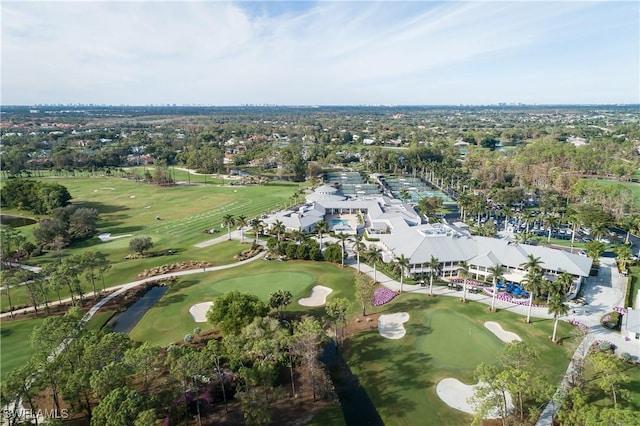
column 169, row 319
column 457, row 343
column 262, row 285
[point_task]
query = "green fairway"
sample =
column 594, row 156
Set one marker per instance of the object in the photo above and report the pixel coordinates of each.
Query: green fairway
column 449, row 337
column 15, row 343
column 169, row 320
column 129, row 209
column 444, row 339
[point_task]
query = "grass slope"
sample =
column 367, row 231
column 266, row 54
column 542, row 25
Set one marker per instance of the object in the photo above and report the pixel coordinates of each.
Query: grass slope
column 15, row 343
column 444, row 339
column 169, row 320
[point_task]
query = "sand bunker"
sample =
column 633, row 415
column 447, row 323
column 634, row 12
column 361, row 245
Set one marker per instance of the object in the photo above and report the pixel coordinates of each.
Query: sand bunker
column 505, row 336
column 390, row 325
column 318, row 296
column 108, row 237
column 199, row 311
column 456, row 394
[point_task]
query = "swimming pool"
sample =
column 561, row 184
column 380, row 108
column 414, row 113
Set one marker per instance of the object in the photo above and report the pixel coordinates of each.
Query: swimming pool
column 336, row 222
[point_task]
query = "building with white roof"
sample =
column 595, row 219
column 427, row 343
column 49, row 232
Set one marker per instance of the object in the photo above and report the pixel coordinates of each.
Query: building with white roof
column 399, row 230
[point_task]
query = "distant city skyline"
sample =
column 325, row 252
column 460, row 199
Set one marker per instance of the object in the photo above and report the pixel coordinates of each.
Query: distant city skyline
column 320, row 53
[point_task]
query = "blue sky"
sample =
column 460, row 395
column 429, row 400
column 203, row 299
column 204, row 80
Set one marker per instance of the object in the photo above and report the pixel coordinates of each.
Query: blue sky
column 320, row 53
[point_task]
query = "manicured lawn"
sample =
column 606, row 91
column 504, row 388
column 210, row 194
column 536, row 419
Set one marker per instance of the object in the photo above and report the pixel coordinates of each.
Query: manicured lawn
column 605, row 400
column 444, row 339
column 99, row 319
column 15, row 343
column 169, row 320
column 128, row 270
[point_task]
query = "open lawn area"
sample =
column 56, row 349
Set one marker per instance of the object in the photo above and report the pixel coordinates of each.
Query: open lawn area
column 603, row 399
column 444, row 339
column 15, row 343
column 169, row 320
column 131, row 209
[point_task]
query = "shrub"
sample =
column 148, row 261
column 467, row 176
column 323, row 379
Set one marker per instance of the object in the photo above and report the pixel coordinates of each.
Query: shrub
column 188, row 338
column 626, row 356
column 382, row 296
column 604, row 346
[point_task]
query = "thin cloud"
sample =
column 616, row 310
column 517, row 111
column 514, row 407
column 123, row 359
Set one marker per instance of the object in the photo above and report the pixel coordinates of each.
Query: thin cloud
column 317, row 52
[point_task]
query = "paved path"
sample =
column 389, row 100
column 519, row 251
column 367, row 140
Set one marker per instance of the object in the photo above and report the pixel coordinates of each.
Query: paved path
column 119, row 289
column 602, row 294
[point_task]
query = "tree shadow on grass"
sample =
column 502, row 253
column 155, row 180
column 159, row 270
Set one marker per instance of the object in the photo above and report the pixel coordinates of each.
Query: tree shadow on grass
column 121, row 230
column 102, row 208
column 5, row 332
column 387, row 368
column 181, row 284
column 170, row 300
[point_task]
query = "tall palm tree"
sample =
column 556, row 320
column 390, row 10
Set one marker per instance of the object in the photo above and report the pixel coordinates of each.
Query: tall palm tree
column 532, row 262
column 463, row 272
column 624, row 253
column 374, row 256
column 401, row 262
column 227, row 221
column 343, row 238
column 533, row 283
column 557, row 308
column 279, row 229
column 551, row 221
column 435, row 269
column 241, row 221
column 495, row 272
column 321, row 228
column 359, row 248
column 257, row 227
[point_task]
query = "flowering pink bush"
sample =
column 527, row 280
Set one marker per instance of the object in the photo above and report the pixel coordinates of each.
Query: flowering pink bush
column 382, row 296
column 578, row 324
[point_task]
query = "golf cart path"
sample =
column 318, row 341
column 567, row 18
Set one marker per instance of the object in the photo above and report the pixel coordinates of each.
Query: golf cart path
column 121, row 288
column 602, row 294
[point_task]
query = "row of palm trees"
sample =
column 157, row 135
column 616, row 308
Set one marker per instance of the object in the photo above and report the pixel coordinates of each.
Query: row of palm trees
column 534, row 283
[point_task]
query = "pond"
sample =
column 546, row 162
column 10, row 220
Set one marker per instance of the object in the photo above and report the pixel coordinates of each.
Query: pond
column 15, row 221
column 125, row 321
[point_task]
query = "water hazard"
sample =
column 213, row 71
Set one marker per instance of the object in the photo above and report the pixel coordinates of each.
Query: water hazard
column 125, row 321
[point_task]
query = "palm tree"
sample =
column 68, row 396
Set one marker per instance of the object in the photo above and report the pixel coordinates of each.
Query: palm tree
column 551, row 221
column 241, row 221
column 227, row 221
column 463, row 272
column 533, row 283
column 359, row 248
column 279, row 228
column 298, row 235
column 401, row 263
column 624, row 253
column 373, row 256
column 435, row 269
column 404, row 195
column 321, row 228
column 343, row 238
column 565, row 281
column 495, row 272
column 256, row 226
column 532, row 263
column 557, row 308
